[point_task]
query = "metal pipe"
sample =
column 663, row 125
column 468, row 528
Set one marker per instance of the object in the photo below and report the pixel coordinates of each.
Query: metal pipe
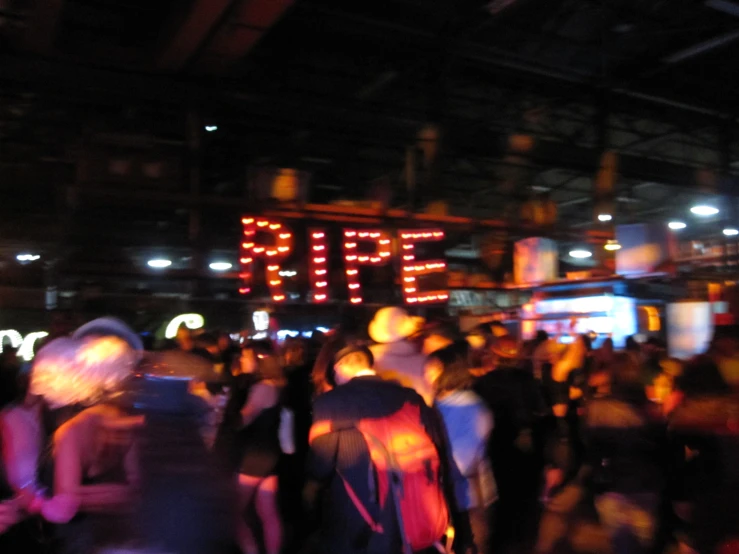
column 701, row 48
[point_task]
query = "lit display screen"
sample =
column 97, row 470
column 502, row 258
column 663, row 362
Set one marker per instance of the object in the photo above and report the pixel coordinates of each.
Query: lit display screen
column 612, row 315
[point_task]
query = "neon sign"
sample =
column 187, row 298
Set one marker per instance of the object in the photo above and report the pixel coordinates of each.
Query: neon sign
column 191, row 321
column 377, row 251
column 25, row 345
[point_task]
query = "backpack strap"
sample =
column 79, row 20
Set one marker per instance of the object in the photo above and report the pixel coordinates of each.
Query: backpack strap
column 361, row 508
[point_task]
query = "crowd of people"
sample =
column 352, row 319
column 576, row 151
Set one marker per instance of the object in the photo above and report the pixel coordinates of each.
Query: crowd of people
column 410, row 437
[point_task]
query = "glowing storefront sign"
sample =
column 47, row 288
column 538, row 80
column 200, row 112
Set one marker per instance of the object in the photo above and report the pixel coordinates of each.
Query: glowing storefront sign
column 614, row 316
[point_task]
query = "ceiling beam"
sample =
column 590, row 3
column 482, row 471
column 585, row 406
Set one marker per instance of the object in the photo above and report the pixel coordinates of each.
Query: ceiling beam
column 251, row 20
column 189, row 35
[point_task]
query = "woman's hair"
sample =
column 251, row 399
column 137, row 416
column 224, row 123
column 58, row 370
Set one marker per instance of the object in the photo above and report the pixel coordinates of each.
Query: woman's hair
column 323, row 368
column 702, row 376
column 455, row 374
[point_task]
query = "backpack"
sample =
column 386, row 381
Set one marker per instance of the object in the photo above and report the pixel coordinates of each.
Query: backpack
column 408, row 471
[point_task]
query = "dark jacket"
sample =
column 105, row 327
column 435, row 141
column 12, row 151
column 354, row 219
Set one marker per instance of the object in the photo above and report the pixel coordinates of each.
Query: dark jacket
column 343, row 450
column 625, row 444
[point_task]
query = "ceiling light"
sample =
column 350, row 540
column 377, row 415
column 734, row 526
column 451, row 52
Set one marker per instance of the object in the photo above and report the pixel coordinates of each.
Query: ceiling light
column 605, row 217
column 25, row 258
column 211, row 128
column 580, row 254
column 159, row 263
column 221, row 266
column 612, row 246
column 731, row 231
column 704, row 210
column 676, row 225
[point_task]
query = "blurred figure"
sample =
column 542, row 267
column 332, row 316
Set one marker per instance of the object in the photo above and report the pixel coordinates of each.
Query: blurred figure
column 512, row 396
column 299, row 356
column 603, row 357
column 633, row 346
column 361, row 514
column 22, row 440
column 705, row 426
column 564, row 475
column 397, row 357
column 725, row 351
column 437, row 337
column 186, row 504
column 184, row 339
column 469, row 424
column 260, row 450
column 95, row 464
column 625, row 447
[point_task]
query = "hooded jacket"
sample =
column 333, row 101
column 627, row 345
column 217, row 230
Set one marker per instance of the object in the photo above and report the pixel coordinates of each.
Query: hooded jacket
column 401, row 361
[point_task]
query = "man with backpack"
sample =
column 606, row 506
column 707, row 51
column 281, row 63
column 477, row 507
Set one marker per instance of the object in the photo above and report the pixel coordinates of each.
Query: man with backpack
column 379, row 454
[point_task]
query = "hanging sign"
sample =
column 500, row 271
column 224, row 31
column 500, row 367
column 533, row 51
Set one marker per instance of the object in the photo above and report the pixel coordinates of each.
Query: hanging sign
column 272, row 242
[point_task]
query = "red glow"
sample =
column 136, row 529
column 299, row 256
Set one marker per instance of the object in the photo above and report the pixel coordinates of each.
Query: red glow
column 381, row 241
column 319, row 265
column 250, row 250
column 410, row 271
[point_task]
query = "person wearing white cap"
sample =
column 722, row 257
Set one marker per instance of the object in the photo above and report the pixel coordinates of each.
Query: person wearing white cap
column 396, row 357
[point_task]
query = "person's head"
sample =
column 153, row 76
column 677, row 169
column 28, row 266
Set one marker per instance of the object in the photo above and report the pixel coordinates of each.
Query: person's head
column 587, row 342
column 185, row 339
column 323, row 368
column 498, row 329
column 9, row 357
column 295, row 352
column 701, row 376
column 224, row 342
column 350, row 361
column 258, row 358
column 607, row 345
column 506, row 351
column 209, row 343
column 448, row 369
column 632, row 345
column 438, row 337
column 393, row 324
column 541, row 337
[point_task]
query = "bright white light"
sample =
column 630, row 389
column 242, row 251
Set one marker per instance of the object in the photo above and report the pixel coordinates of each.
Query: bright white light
column 211, row 128
column 704, row 211
column 259, row 336
column 25, row 352
column 731, row 232
column 322, row 330
column 15, row 338
column 191, row 321
column 282, row 334
column 260, row 320
column 159, row 263
column 221, row 266
column 580, row 254
column 288, row 273
column 612, row 246
column 27, row 257
column 676, row 225
column 605, row 217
